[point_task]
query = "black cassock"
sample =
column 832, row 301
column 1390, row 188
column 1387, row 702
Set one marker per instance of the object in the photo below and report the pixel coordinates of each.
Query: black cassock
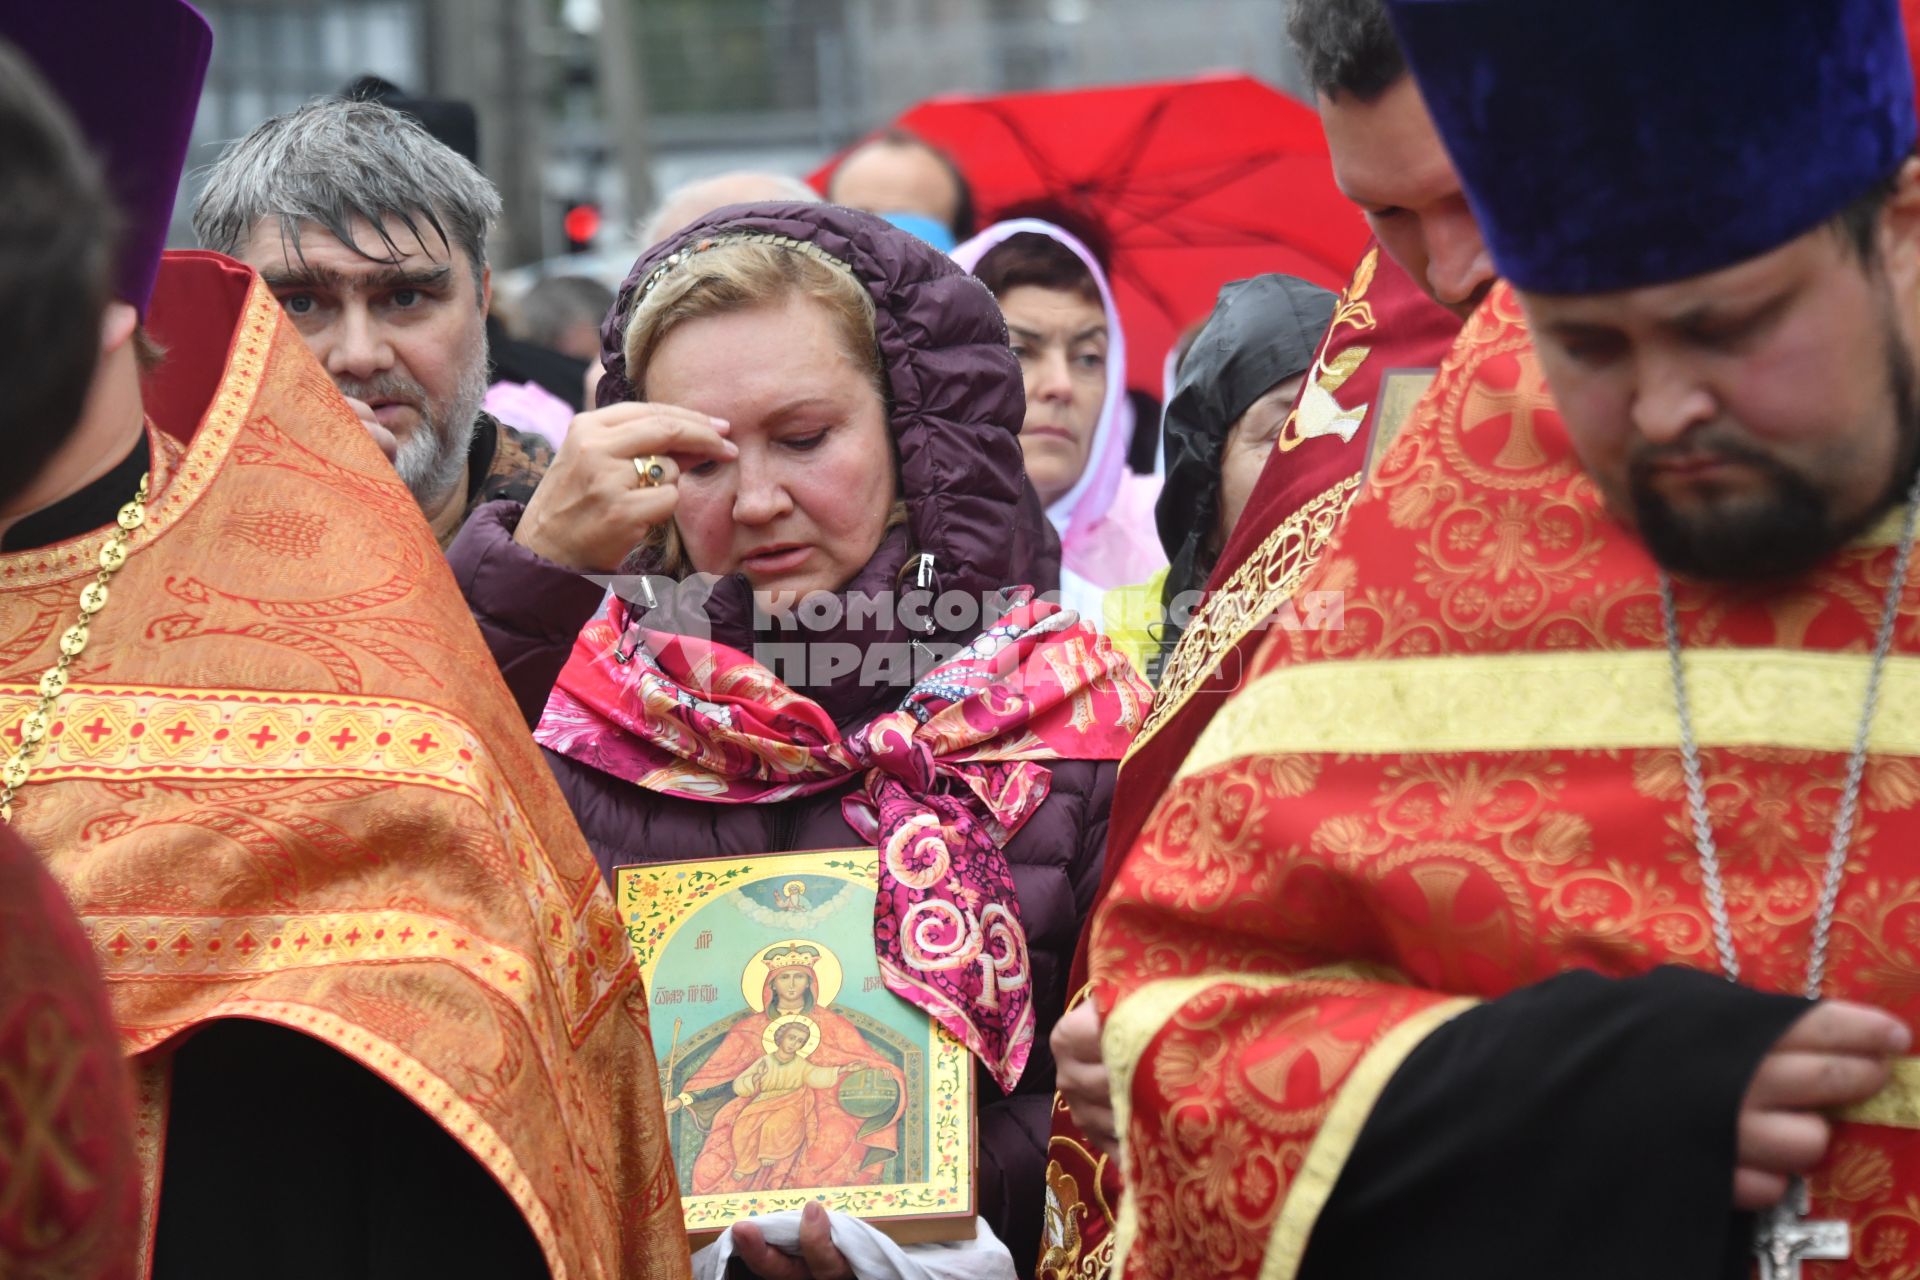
column 1580, row 1128
column 285, row 1159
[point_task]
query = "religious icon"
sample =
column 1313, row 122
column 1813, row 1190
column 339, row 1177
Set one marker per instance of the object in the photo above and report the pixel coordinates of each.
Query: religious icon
column 770, row 1097
column 808, row 1079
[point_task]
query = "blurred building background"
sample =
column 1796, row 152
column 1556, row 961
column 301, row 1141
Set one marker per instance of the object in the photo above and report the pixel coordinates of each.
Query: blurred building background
column 602, row 104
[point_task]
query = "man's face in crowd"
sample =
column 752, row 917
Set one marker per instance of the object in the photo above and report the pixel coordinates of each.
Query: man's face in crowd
column 890, row 177
column 1751, row 421
column 1388, row 160
column 1060, row 338
column 408, row 336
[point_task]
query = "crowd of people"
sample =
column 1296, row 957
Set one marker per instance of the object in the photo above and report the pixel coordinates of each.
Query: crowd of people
column 1432, row 799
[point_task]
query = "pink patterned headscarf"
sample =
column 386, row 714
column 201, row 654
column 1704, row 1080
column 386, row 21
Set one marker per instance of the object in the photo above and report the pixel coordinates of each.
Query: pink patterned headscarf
column 949, row 777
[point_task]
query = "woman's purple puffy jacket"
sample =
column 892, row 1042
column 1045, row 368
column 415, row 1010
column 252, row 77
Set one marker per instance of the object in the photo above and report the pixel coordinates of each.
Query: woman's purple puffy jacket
column 957, row 406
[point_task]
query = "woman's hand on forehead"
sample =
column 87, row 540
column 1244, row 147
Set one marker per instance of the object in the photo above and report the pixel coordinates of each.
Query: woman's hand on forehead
column 601, row 497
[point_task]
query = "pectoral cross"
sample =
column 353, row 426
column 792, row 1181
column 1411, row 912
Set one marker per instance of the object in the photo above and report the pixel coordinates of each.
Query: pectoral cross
column 1784, row 1237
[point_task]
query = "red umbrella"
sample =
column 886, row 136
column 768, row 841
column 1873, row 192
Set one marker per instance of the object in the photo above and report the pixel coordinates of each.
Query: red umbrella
column 1192, row 184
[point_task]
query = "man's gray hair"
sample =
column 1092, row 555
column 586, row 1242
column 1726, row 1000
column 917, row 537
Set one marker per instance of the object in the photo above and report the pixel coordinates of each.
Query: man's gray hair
column 333, row 161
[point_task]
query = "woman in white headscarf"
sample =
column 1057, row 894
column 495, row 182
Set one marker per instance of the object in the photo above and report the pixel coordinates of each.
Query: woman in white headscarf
column 1066, row 331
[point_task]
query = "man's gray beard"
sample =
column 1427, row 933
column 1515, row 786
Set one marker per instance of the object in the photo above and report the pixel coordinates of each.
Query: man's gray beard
column 433, row 460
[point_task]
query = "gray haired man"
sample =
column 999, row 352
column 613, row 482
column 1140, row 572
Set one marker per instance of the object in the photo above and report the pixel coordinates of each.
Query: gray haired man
column 373, row 235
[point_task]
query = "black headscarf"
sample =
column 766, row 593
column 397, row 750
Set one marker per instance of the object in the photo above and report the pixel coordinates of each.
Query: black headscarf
column 1262, row 332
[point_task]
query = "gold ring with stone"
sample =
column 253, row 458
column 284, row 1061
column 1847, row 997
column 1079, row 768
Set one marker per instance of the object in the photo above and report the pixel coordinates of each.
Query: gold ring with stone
column 651, row 471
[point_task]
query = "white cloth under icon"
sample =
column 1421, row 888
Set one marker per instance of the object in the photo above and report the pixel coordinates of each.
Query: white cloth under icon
column 872, row 1255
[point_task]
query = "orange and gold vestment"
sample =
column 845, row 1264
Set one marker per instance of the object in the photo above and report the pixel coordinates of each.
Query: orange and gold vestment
column 287, row 784
column 1476, row 784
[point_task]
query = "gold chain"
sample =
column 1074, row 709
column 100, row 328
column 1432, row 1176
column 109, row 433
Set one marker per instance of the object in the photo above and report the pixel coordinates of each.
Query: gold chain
column 34, row 730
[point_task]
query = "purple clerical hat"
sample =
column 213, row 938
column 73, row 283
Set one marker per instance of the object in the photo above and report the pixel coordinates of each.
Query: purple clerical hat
column 130, row 72
column 1614, row 144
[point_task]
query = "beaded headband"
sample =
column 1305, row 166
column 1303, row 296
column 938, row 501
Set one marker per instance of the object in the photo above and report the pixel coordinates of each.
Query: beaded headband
column 686, row 253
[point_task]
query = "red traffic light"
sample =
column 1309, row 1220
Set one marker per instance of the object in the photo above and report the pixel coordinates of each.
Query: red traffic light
column 582, row 223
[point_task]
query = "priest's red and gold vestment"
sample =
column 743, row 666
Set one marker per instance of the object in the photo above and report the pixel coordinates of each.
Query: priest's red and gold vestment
column 1376, row 358
column 287, row 784
column 1473, row 785
column 69, row 1183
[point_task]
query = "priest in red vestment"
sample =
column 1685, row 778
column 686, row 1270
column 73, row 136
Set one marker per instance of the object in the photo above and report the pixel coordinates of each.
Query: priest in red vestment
column 1385, row 339
column 1396, row 319
column 381, row 1013
column 1478, row 937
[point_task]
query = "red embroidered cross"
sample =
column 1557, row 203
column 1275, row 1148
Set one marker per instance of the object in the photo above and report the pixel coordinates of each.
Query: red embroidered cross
column 343, row 739
column 14, row 733
column 120, row 945
column 246, row 945
column 424, row 743
column 177, row 732
column 182, row 945
column 97, row 730
column 354, row 937
column 262, row 736
column 406, row 934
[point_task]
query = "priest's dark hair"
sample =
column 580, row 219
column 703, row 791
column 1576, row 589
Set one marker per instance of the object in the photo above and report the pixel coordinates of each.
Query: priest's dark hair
column 57, row 239
column 1347, row 47
column 1858, row 225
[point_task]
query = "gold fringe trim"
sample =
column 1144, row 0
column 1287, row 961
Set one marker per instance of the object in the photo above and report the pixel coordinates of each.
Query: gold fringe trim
column 1141, row 1016
column 1262, row 583
column 1313, row 1186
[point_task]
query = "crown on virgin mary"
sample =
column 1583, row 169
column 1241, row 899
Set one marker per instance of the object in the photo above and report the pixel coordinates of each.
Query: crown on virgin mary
column 801, row 957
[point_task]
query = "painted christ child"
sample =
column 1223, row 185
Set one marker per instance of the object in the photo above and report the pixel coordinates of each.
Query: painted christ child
column 769, row 1100
column 781, row 1117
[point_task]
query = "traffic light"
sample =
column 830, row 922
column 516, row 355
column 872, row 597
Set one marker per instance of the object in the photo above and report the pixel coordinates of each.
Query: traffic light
column 581, row 224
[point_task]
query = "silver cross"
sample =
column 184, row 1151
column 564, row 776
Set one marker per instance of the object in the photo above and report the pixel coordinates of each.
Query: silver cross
column 1784, row 1237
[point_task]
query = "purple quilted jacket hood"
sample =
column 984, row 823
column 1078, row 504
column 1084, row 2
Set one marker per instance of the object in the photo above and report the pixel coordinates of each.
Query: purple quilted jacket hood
column 957, row 405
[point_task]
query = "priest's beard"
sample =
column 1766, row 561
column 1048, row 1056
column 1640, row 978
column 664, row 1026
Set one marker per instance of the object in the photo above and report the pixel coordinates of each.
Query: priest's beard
column 1790, row 526
column 432, row 460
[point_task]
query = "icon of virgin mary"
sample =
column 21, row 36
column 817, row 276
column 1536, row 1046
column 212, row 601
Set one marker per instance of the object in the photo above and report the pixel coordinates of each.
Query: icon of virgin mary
column 794, row 1096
